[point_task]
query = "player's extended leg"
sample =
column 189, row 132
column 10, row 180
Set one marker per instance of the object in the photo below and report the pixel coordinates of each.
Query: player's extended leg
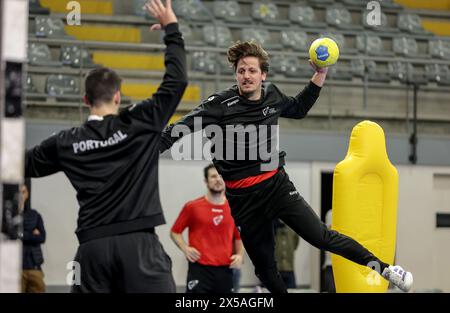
column 297, row 214
column 259, row 243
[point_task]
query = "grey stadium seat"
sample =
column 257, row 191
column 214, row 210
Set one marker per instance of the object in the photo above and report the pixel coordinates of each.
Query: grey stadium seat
column 260, row 35
column 340, row 72
column 267, row 12
column 341, row 18
column 204, row 62
column 230, row 11
column 371, row 44
column 193, row 10
column 305, row 16
column 31, row 91
column 29, row 85
column 50, row 27
column 357, row 67
column 189, row 36
column 62, row 85
column 374, row 72
column 39, row 54
column 76, row 57
column 321, row 3
column 407, row 47
column 225, row 67
column 439, row 48
column 217, row 35
column 290, row 66
column 36, row 8
column 295, row 39
column 139, row 11
column 439, row 73
column 410, row 23
column 405, row 73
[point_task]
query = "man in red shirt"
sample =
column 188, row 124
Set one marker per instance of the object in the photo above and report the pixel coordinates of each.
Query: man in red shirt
column 211, row 235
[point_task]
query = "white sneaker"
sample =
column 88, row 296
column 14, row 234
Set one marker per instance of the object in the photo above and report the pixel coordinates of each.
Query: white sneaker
column 399, row 277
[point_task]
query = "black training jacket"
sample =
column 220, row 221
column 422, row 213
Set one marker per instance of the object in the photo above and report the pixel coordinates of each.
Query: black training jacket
column 228, row 109
column 113, row 163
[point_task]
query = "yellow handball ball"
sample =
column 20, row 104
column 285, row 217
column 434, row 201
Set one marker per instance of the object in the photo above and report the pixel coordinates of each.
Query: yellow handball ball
column 324, row 52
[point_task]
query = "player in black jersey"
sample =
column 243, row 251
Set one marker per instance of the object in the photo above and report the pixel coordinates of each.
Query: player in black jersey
column 258, row 188
column 112, row 162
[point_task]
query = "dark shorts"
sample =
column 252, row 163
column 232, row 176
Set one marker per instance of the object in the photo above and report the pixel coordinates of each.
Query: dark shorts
column 133, row 262
column 209, row 279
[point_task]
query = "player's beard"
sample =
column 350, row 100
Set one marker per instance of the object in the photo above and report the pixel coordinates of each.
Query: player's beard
column 216, row 191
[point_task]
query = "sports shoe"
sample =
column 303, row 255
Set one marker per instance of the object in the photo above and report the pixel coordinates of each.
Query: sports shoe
column 399, row 277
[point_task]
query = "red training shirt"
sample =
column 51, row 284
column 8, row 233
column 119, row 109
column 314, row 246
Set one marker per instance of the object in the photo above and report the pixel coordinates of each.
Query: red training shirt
column 211, row 230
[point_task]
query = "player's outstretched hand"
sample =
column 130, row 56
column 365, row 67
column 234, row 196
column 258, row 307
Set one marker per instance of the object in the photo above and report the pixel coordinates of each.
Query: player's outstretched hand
column 164, row 14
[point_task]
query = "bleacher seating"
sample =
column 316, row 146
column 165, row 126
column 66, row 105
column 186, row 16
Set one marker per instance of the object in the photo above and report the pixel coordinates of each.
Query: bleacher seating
column 230, row 11
column 62, row 85
column 76, row 57
column 36, row 8
column 39, row 55
column 439, row 73
column 410, row 23
column 188, row 35
column 204, row 62
column 294, row 39
column 304, row 16
column 260, row 35
column 285, row 29
column 29, row 85
column 267, row 12
column 217, row 35
column 193, row 10
column 371, row 45
column 439, row 49
column 407, row 47
column 405, row 73
column 341, row 18
column 50, row 27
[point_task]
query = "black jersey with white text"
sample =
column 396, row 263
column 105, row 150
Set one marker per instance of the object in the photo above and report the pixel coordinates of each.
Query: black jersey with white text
column 112, row 161
column 244, row 131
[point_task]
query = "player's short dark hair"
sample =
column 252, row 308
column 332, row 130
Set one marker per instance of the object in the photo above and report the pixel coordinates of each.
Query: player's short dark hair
column 101, row 84
column 248, row 49
column 206, row 170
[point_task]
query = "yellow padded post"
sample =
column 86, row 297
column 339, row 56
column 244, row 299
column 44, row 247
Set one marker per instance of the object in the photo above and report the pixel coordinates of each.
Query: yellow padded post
column 365, row 195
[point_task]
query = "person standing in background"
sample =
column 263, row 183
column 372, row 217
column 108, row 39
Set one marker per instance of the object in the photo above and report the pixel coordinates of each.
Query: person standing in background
column 286, row 242
column 214, row 248
column 33, row 237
